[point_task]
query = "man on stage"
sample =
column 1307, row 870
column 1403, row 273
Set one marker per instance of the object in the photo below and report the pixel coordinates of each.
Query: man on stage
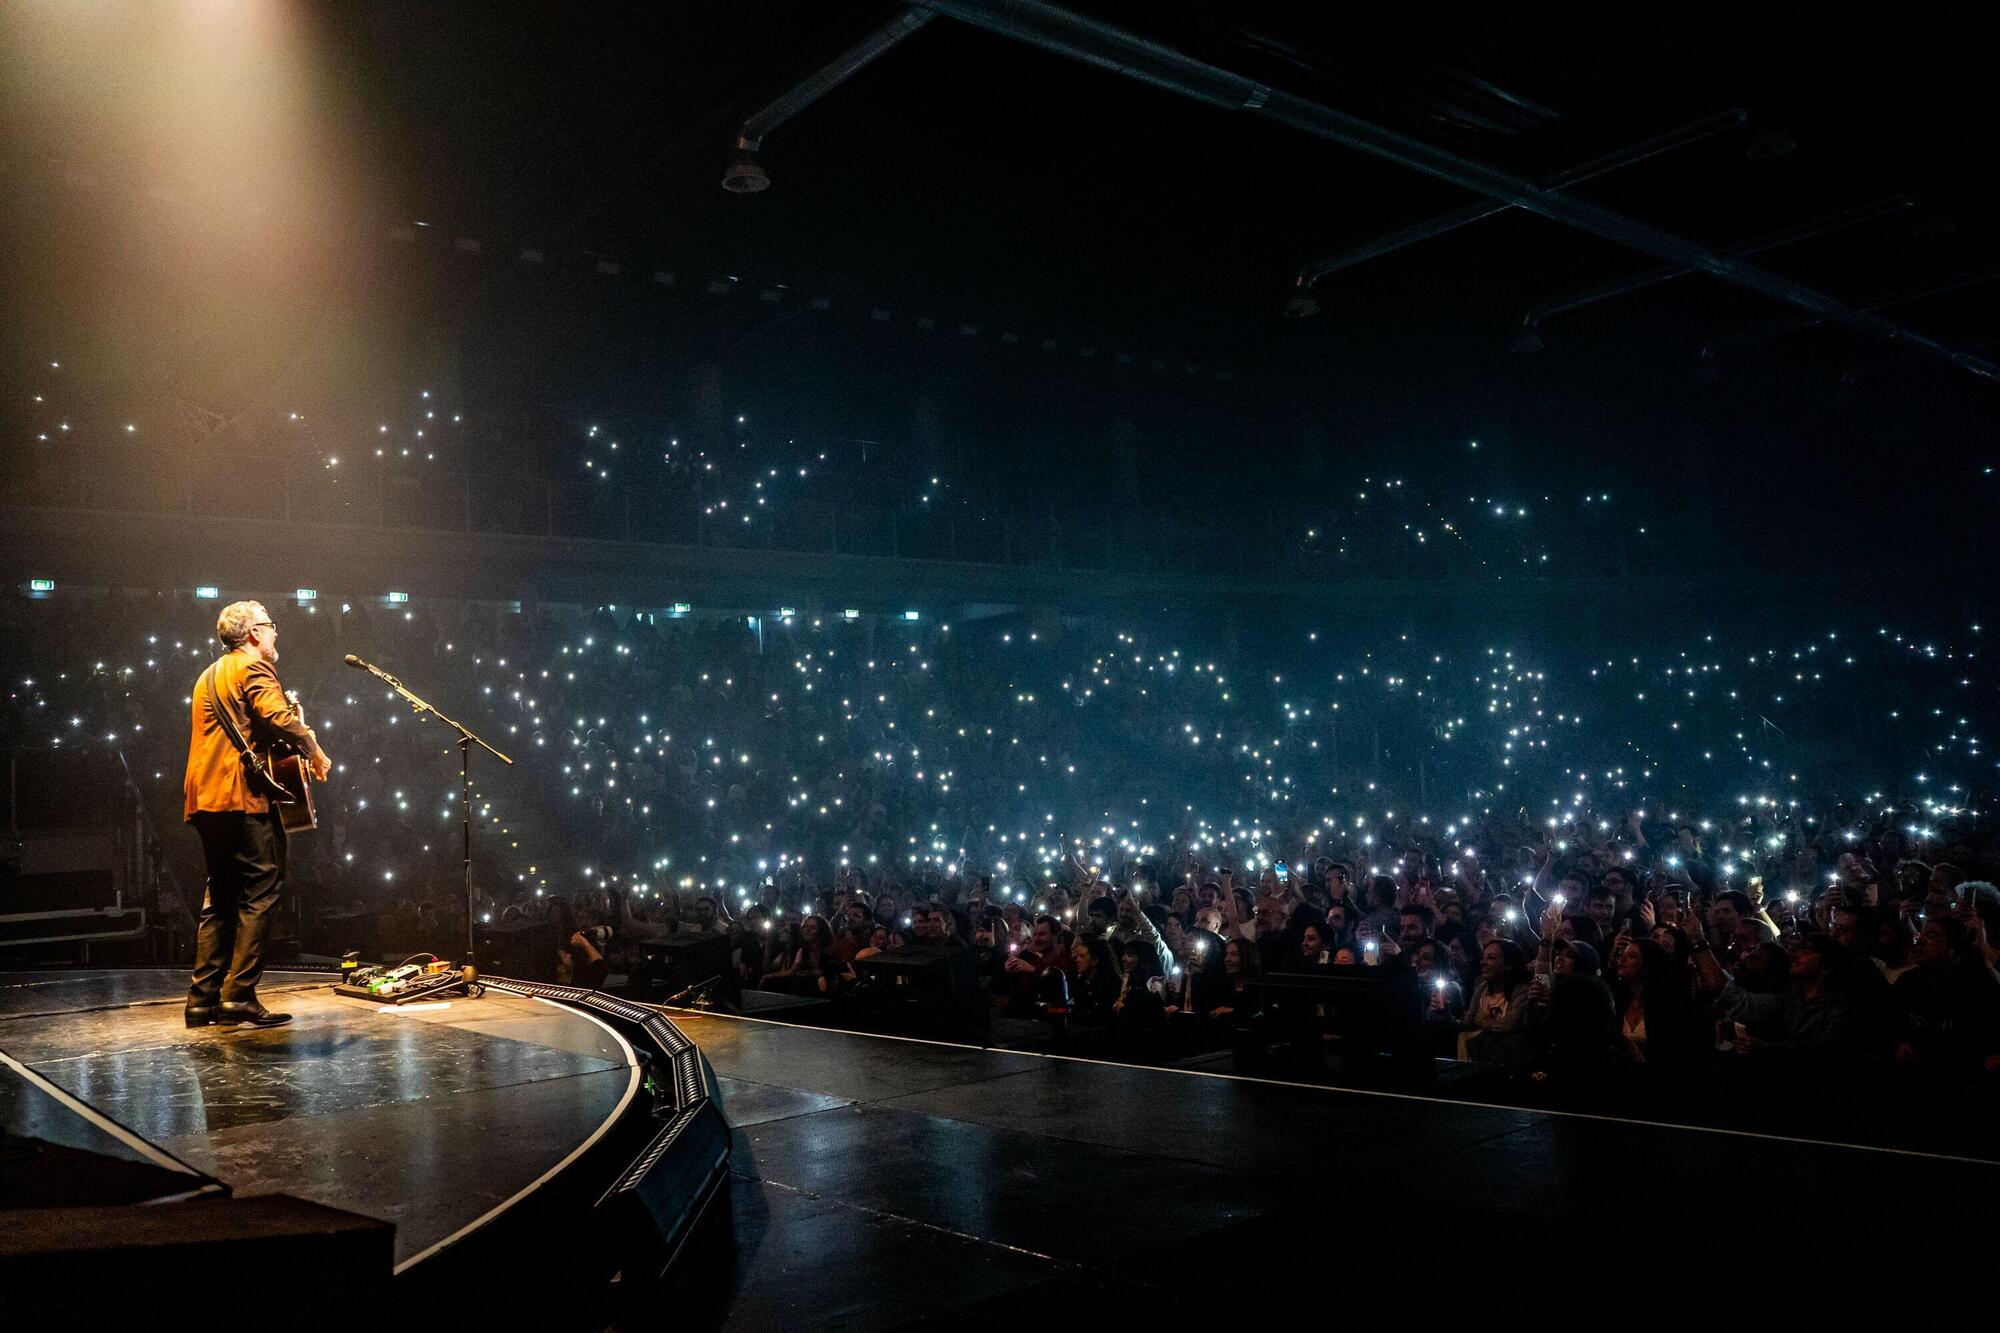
column 242, row 839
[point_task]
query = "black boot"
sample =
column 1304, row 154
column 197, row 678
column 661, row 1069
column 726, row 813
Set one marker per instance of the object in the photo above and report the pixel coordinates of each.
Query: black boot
column 237, row 1012
column 200, row 1013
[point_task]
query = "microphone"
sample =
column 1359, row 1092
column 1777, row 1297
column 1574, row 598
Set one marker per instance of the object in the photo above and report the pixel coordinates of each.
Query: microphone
column 354, row 661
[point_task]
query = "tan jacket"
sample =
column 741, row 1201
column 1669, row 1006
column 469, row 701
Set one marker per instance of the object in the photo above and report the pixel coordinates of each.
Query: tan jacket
column 249, row 689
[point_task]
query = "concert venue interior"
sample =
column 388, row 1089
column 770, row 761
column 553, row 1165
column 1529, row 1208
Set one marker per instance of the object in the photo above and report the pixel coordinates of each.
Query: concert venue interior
column 861, row 665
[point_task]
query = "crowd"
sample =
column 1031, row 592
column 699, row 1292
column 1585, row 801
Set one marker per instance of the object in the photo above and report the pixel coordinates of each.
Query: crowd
column 1626, row 968
column 735, row 477
column 1609, row 879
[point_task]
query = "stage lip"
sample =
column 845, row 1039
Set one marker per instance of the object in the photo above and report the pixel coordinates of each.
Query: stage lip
column 200, row 1185
column 632, row 1070
column 633, row 1194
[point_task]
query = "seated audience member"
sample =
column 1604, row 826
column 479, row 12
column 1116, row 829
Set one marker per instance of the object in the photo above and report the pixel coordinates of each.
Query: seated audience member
column 814, row 968
column 1022, row 972
column 748, row 942
column 881, row 940
column 1600, row 904
column 1444, row 997
column 1382, row 915
column 1810, row 1023
column 1339, row 930
column 1571, row 1018
column 989, row 944
column 1947, row 1006
column 781, row 945
column 1238, row 1003
column 1498, row 1008
column 1655, row 998
column 1094, row 981
column 1414, row 926
column 1203, row 978
column 1312, row 953
column 579, row 962
column 1139, row 1008
column 855, row 926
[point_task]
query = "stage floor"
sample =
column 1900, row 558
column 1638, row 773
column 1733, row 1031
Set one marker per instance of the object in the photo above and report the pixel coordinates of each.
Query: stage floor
column 884, row 1183
column 427, row 1117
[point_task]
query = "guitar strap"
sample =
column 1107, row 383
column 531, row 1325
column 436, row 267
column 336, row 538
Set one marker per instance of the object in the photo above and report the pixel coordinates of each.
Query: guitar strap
column 253, row 775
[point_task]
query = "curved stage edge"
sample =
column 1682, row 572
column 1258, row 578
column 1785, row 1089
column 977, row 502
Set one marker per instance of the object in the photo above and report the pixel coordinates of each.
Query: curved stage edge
column 539, row 1151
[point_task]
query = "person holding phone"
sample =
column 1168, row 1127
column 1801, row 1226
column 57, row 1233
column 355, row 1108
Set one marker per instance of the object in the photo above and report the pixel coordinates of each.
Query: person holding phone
column 1046, row 950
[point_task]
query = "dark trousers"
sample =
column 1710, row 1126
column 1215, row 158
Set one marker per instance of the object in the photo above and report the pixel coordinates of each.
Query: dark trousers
column 246, row 869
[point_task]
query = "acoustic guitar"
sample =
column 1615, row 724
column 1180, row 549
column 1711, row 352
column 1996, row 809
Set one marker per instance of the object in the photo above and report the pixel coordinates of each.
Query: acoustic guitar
column 289, row 778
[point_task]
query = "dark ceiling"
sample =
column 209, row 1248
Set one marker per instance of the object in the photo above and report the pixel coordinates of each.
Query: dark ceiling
column 970, row 179
column 1000, row 226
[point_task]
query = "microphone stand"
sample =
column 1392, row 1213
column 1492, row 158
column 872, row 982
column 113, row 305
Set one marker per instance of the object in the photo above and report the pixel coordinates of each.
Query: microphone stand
column 467, row 738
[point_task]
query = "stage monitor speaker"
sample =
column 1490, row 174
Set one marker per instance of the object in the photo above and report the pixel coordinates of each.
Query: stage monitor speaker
column 939, row 986
column 523, row 950
column 673, row 965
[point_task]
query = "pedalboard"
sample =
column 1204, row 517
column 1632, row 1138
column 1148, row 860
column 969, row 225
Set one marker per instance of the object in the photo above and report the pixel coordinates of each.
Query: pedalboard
column 401, row 985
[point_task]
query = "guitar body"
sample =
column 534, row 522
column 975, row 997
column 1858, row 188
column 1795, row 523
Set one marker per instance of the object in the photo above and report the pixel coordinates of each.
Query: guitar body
column 287, row 773
column 290, row 780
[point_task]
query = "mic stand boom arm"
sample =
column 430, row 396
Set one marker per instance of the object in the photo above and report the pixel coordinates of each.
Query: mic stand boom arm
column 467, row 738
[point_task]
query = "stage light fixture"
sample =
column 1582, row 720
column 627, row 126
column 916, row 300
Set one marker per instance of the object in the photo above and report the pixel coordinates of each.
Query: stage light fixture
column 743, row 175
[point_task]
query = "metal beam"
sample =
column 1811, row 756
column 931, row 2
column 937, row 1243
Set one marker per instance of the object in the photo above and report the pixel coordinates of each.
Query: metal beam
column 1111, row 48
column 1605, row 291
column 1903, row 296
column 1563, row 180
